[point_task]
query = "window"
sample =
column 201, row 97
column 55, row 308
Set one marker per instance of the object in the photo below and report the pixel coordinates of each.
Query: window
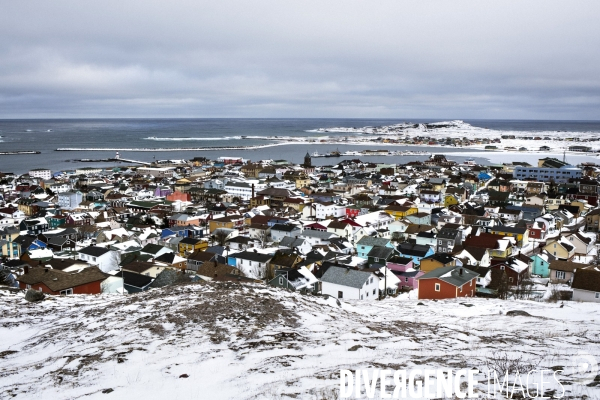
column 280, row 280
column 560, row 275
column 406, row 279
column 66, row 292
column 341, row 295
column 598, row 295
column 373, row 292
column 510, row 279
column 437, row 287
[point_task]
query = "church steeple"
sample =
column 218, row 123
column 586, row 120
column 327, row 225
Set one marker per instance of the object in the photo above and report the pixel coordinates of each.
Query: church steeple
column 307, row 161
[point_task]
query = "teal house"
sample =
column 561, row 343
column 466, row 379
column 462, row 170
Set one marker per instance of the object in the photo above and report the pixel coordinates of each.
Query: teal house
column 539, row 265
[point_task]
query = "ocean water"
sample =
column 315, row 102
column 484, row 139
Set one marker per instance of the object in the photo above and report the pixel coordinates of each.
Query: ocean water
column 46, row 136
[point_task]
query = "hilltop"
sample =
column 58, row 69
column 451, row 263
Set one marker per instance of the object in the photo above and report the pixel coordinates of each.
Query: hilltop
column 225, row 340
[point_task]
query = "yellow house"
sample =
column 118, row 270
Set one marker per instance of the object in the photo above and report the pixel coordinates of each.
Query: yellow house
column 399, row 212
column 521, row 235
column 561, row 250
column 436, row 261
column 450, row 200
column 189, row 245
column 229, row 222
column 10, row 249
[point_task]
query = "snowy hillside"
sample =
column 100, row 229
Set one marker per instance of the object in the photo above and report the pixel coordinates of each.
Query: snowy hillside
column 226, row 341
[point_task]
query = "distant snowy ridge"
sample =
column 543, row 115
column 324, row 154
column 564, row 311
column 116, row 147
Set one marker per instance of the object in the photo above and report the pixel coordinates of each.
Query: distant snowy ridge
column 401, row 128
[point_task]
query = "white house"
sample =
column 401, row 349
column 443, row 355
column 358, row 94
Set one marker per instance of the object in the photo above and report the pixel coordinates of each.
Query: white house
column 42, row 173
column 586, row 285
column 350, row 284
column 107, row 260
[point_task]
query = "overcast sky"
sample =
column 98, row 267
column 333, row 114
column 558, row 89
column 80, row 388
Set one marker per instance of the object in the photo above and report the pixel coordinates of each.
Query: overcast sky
column 326, row 58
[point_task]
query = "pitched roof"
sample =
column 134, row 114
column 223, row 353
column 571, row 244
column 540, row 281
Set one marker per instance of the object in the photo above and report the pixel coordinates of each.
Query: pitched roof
column 567, row 266
column 455, row 275
column 94, row 251
column 57, row 280
column 252, row 256
column 587, row 279
column 373, row 241
column 346, row 277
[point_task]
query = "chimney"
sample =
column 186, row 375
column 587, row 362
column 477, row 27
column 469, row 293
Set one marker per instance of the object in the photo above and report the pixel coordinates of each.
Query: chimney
column 45, row 270
column 253, row 190
column 26, row 269
column 460, row 271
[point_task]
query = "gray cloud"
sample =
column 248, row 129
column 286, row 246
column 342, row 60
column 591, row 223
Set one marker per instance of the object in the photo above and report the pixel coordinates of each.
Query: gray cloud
column 430, row 59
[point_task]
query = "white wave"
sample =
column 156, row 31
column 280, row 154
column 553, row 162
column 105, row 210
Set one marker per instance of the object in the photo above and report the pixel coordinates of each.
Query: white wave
column 185, row 139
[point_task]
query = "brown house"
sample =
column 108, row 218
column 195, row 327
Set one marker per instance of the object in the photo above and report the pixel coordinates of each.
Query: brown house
column 52, row 281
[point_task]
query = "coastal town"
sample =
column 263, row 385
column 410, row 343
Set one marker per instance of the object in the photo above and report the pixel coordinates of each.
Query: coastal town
column 352, row 230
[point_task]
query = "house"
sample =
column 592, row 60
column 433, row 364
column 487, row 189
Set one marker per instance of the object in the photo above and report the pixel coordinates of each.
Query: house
column 229, row 222
column 499, row 246
column 69, row 200
column 415, row 251
column 105, row 259
column 447, row 239
column 583, row 244
column 366, row 244
column 250, row 263
column 316, row 238
column 296, row 279
column 474, row 256
column 279, row 231
column 539, row 265
column 155, row 250
column 521, row 234
column 380, row 255
column 448, row 283
column 420, row 218
column 302, row 245
column 485, row 275
column 189, row 245
column 57, row 282
column 144, row 268
column 351, row 284
column 400, row 212
column 172, row 260
column 591, row 220
column 403, row 268
column 516, row 270
column 560, row 249
column 438, row 260
column 586, row 285
column 134, row 282
column 216, row 270
column 35, row 226
column 10, row 248
column 563, row 271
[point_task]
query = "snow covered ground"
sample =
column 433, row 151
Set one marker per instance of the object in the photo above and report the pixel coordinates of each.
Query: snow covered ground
column 227, row 341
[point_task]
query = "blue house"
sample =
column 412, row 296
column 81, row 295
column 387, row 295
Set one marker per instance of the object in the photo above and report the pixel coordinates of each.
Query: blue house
column 540, row 265
column 416, row 252
column 366, row 244
column 483, row 176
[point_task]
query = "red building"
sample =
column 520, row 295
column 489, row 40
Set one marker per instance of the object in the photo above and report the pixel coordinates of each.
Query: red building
column 447, row 283
column 53, row 281
column 352, row 212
